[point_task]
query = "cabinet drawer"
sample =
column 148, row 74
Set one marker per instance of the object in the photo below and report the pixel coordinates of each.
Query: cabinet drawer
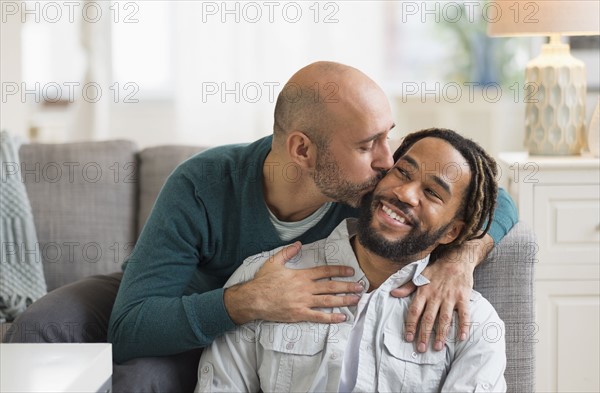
column 567, row 222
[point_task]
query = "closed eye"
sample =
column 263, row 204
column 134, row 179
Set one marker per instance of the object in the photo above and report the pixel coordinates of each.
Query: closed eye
column 366, row 148
column 403, row 173
column 433, row 194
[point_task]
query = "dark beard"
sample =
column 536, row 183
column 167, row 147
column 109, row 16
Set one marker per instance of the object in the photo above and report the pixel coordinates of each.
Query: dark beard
column 401, row 251
column 331, row 181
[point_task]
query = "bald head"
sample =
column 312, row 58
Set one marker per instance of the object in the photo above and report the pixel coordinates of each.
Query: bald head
column 321, row 97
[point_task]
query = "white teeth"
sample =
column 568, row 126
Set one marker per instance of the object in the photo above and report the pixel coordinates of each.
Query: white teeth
column 390, row 213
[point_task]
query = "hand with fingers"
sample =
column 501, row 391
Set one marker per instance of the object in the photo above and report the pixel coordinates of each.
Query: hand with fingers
column 451, row 283
column 281, row 294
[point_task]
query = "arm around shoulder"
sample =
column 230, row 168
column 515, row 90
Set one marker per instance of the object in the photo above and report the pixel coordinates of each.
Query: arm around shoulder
column 505, row 216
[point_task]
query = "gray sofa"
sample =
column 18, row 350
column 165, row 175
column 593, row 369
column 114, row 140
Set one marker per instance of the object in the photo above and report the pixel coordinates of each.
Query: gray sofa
column 89, row 214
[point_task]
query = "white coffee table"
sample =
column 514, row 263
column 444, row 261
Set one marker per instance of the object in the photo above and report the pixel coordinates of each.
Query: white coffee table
column 55, row 368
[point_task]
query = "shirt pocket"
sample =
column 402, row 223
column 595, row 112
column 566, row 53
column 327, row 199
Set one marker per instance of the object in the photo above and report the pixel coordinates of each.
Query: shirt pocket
column 404, row 369
column 291, row 355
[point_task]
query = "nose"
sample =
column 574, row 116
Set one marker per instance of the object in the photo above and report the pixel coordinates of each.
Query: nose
column 408, row 193
column 383, row 158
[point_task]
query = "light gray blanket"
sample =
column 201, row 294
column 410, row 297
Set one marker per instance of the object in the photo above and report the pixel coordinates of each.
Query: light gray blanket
column 21, row 270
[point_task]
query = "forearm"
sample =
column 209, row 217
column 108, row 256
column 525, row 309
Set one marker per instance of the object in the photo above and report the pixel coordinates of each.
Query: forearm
column 241, row 304
column 160, row 326
column 474, row 252
column 467, row 256
column 151, row 315
column 240, row 299
column 477, row 250
column 505, row 216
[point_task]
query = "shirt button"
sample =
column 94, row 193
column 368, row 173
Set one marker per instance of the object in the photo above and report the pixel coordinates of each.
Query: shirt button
column 486, row 385
column 333, row 356
column 205, row 369
column 363, row 283
column 414, row 355
column 289, row 345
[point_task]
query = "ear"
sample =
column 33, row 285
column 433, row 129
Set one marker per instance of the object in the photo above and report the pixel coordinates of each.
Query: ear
column 301, row 149
column 452, row 232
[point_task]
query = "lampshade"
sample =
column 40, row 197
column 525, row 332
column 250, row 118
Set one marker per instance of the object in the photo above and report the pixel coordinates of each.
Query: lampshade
column 543, row 17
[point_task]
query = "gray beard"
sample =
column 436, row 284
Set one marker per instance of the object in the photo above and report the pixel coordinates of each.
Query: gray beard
column 331, row 181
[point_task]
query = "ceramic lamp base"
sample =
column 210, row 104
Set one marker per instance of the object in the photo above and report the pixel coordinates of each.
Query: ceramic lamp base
column 555, row 109
column 594, row 132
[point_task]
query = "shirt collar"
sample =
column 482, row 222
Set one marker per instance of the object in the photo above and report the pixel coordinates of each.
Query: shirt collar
column 338, row 251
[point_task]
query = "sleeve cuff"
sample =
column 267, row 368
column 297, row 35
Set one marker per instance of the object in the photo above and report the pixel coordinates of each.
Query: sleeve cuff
column 505, row 216
column 208, row 315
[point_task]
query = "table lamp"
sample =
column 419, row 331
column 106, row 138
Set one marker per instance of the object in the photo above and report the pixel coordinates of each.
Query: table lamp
column 555, row 81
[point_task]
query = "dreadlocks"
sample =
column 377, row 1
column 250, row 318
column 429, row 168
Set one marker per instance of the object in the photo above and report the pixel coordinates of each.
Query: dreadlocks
column 477, row 209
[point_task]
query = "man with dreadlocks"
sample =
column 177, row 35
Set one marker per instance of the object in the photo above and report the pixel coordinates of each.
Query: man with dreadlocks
column 440, row 193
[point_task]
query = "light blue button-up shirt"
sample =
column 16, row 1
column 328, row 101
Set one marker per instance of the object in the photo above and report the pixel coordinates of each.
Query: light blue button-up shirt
column 301, row 357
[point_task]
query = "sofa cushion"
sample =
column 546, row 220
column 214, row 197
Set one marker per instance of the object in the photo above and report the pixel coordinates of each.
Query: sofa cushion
column 156, row 164
column 83, row 197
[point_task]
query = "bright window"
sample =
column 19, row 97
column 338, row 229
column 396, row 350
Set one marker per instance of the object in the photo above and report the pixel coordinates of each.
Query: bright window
column 142, row 46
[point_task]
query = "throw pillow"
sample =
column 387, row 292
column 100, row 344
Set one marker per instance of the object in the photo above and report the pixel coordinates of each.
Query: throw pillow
column 21, row 270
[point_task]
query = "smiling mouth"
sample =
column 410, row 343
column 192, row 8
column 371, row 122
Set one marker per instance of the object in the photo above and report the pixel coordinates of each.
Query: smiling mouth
column 395, row 216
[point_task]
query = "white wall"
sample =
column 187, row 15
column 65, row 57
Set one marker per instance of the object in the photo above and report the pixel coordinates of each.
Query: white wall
column 175, row 51
column 13, row 113
column 260, row 56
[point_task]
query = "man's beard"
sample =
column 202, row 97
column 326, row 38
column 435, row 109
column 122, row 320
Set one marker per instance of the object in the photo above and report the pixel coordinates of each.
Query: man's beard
column 332, row 182
column 411, row 245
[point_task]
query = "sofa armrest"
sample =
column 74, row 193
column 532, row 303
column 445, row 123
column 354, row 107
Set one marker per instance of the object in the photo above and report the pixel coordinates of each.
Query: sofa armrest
column 4, row 326
column 506, row 279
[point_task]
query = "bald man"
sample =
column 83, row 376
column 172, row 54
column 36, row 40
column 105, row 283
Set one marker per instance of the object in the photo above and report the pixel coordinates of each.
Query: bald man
column 329, row 145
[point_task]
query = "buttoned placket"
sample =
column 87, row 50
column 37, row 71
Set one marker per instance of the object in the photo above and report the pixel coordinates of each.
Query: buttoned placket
column 368, row 354
column 366, row 359
column 338, row 335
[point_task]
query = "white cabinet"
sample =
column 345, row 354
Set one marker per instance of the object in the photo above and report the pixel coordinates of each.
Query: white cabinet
column 559, row 197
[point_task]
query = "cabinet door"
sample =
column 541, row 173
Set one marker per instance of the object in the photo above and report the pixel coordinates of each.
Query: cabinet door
column 566, row 220
column 568, row 346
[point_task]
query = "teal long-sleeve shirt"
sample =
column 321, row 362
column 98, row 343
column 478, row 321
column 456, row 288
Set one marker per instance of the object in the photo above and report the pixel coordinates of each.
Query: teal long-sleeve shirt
column 209, row 216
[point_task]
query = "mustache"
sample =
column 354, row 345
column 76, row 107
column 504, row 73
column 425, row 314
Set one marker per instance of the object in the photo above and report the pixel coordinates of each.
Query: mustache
column 403, row 207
